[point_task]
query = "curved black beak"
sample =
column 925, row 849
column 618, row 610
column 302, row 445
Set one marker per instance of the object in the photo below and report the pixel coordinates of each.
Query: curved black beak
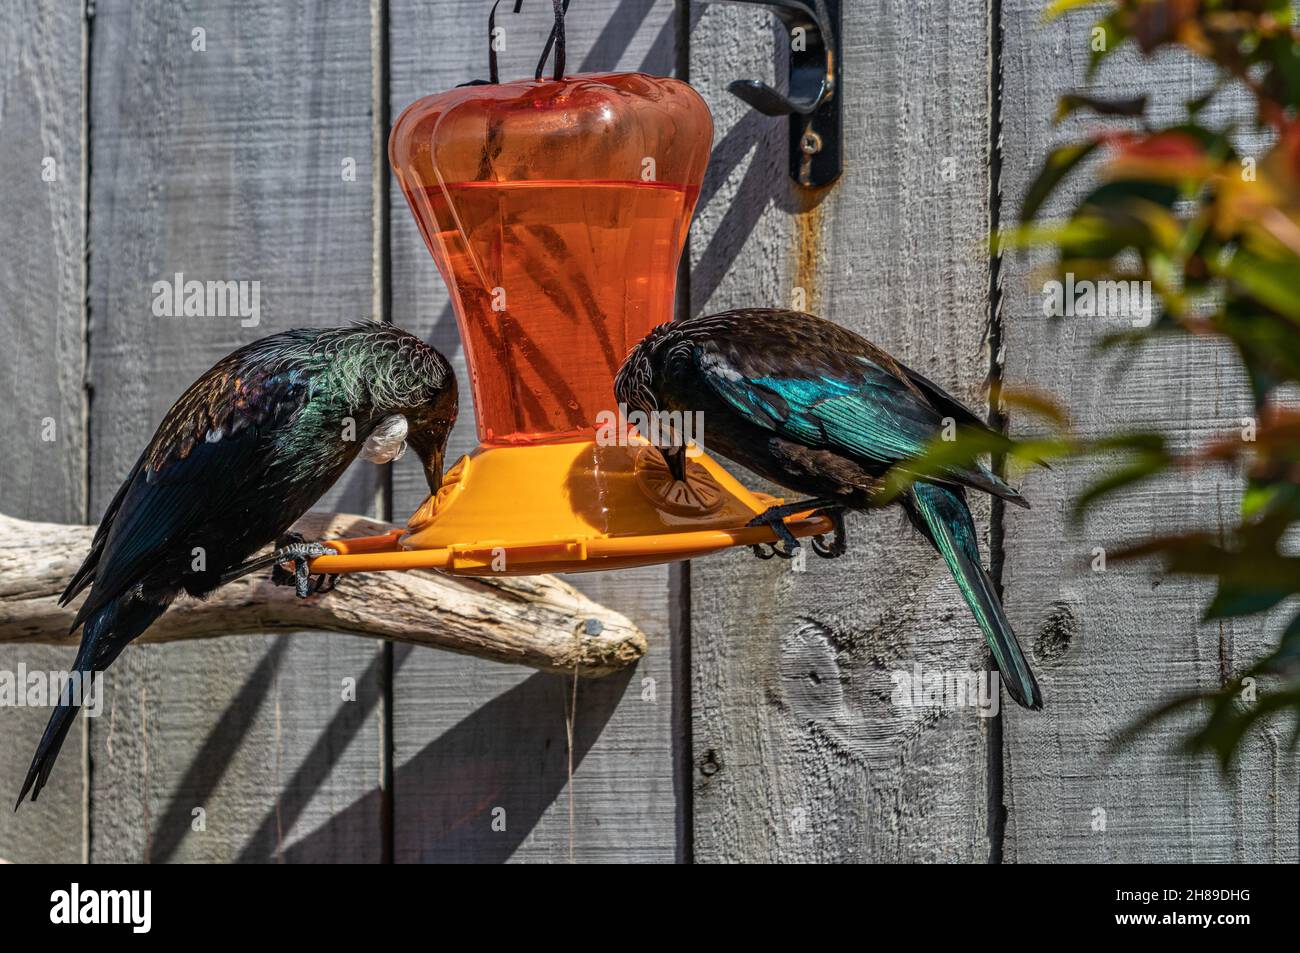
column 433, row 472
column 430, row 448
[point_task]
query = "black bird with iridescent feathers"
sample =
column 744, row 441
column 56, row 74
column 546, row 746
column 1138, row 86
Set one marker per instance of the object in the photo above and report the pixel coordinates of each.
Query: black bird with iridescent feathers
column 243, row 453
column 823, row 412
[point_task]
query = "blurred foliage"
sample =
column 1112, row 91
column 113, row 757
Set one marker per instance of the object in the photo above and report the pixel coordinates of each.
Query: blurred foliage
column 1217, row 235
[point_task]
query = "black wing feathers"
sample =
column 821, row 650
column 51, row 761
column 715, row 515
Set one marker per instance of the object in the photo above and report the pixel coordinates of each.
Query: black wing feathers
column 183, row 479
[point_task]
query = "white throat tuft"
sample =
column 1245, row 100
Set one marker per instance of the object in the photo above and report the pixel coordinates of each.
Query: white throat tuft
column 387, row 442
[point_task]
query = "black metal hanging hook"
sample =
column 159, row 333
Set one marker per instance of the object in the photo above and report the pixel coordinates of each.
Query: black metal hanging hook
column 555, row 39
column 815, row 79
column 494, row 74
column 812, row 62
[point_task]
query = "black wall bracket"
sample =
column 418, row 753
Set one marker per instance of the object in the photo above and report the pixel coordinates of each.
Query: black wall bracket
column 816, row 88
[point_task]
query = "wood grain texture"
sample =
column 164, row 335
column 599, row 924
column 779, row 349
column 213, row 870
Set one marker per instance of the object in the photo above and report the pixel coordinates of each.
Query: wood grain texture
column 537, row 621
column 227, row 164
column 799, row 753
column 42, row 314
column 1111, row 645
column 471, row 737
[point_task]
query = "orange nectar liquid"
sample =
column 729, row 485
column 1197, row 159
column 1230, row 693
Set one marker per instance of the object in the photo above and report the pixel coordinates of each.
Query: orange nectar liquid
column 553, row 284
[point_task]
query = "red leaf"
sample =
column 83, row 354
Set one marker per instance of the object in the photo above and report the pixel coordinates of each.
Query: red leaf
column 1169, row 144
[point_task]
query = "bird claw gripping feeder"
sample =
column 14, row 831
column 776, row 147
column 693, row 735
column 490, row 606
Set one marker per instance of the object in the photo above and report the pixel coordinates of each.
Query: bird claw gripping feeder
column 556, row 211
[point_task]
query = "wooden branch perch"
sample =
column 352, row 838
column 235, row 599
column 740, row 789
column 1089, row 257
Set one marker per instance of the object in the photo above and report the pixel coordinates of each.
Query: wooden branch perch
column 527, row 620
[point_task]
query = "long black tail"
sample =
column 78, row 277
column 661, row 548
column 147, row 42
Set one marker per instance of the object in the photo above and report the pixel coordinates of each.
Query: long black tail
column 103, row 637
column 942, row 515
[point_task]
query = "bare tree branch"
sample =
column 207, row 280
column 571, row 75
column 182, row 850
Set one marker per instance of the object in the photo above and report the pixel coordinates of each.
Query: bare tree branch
column 527, row 620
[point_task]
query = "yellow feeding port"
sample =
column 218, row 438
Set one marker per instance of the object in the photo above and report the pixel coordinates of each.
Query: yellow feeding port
column 569, row 507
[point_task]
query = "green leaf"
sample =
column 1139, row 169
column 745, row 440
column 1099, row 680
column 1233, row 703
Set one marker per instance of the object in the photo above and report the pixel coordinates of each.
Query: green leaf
column 1267, row 342
column 1287, row 652
column 1282, row 55
column 1071, row 103
column 1257, row 498
column 1059, row 7
column 1240, row 599
column 1125, row 192
column 1102, row 233
column 1060, row 163
column 1274, row 281
column 1115, row 31
column 940, row 455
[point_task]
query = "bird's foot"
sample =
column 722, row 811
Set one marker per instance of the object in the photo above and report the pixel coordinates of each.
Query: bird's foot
column 839, row 543
column 293, row 549
column 786, row 545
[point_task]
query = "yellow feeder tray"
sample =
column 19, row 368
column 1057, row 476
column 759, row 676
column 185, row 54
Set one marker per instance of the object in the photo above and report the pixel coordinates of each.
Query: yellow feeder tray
column 568, row 507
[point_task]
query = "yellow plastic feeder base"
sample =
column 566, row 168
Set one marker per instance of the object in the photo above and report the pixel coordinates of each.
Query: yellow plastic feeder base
column 568, row 507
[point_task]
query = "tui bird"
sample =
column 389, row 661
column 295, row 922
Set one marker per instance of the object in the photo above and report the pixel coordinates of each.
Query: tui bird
column 822, row 411
column 243, row 453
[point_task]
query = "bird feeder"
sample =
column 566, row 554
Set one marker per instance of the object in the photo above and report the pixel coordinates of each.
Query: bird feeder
column 556, row 212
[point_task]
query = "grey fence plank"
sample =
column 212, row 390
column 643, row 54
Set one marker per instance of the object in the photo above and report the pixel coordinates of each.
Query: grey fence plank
column 799, row 753
column 471, row 736
column 42, row 312
column 229, row 164
column 1113, row 644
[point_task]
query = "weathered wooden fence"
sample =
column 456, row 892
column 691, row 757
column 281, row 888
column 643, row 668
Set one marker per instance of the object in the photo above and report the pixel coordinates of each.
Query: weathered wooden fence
column 214, row 139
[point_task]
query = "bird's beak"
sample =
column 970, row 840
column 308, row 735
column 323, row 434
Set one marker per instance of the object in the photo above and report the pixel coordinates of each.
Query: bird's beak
column 430, row 451
column 675, row 460
column 433, row 471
